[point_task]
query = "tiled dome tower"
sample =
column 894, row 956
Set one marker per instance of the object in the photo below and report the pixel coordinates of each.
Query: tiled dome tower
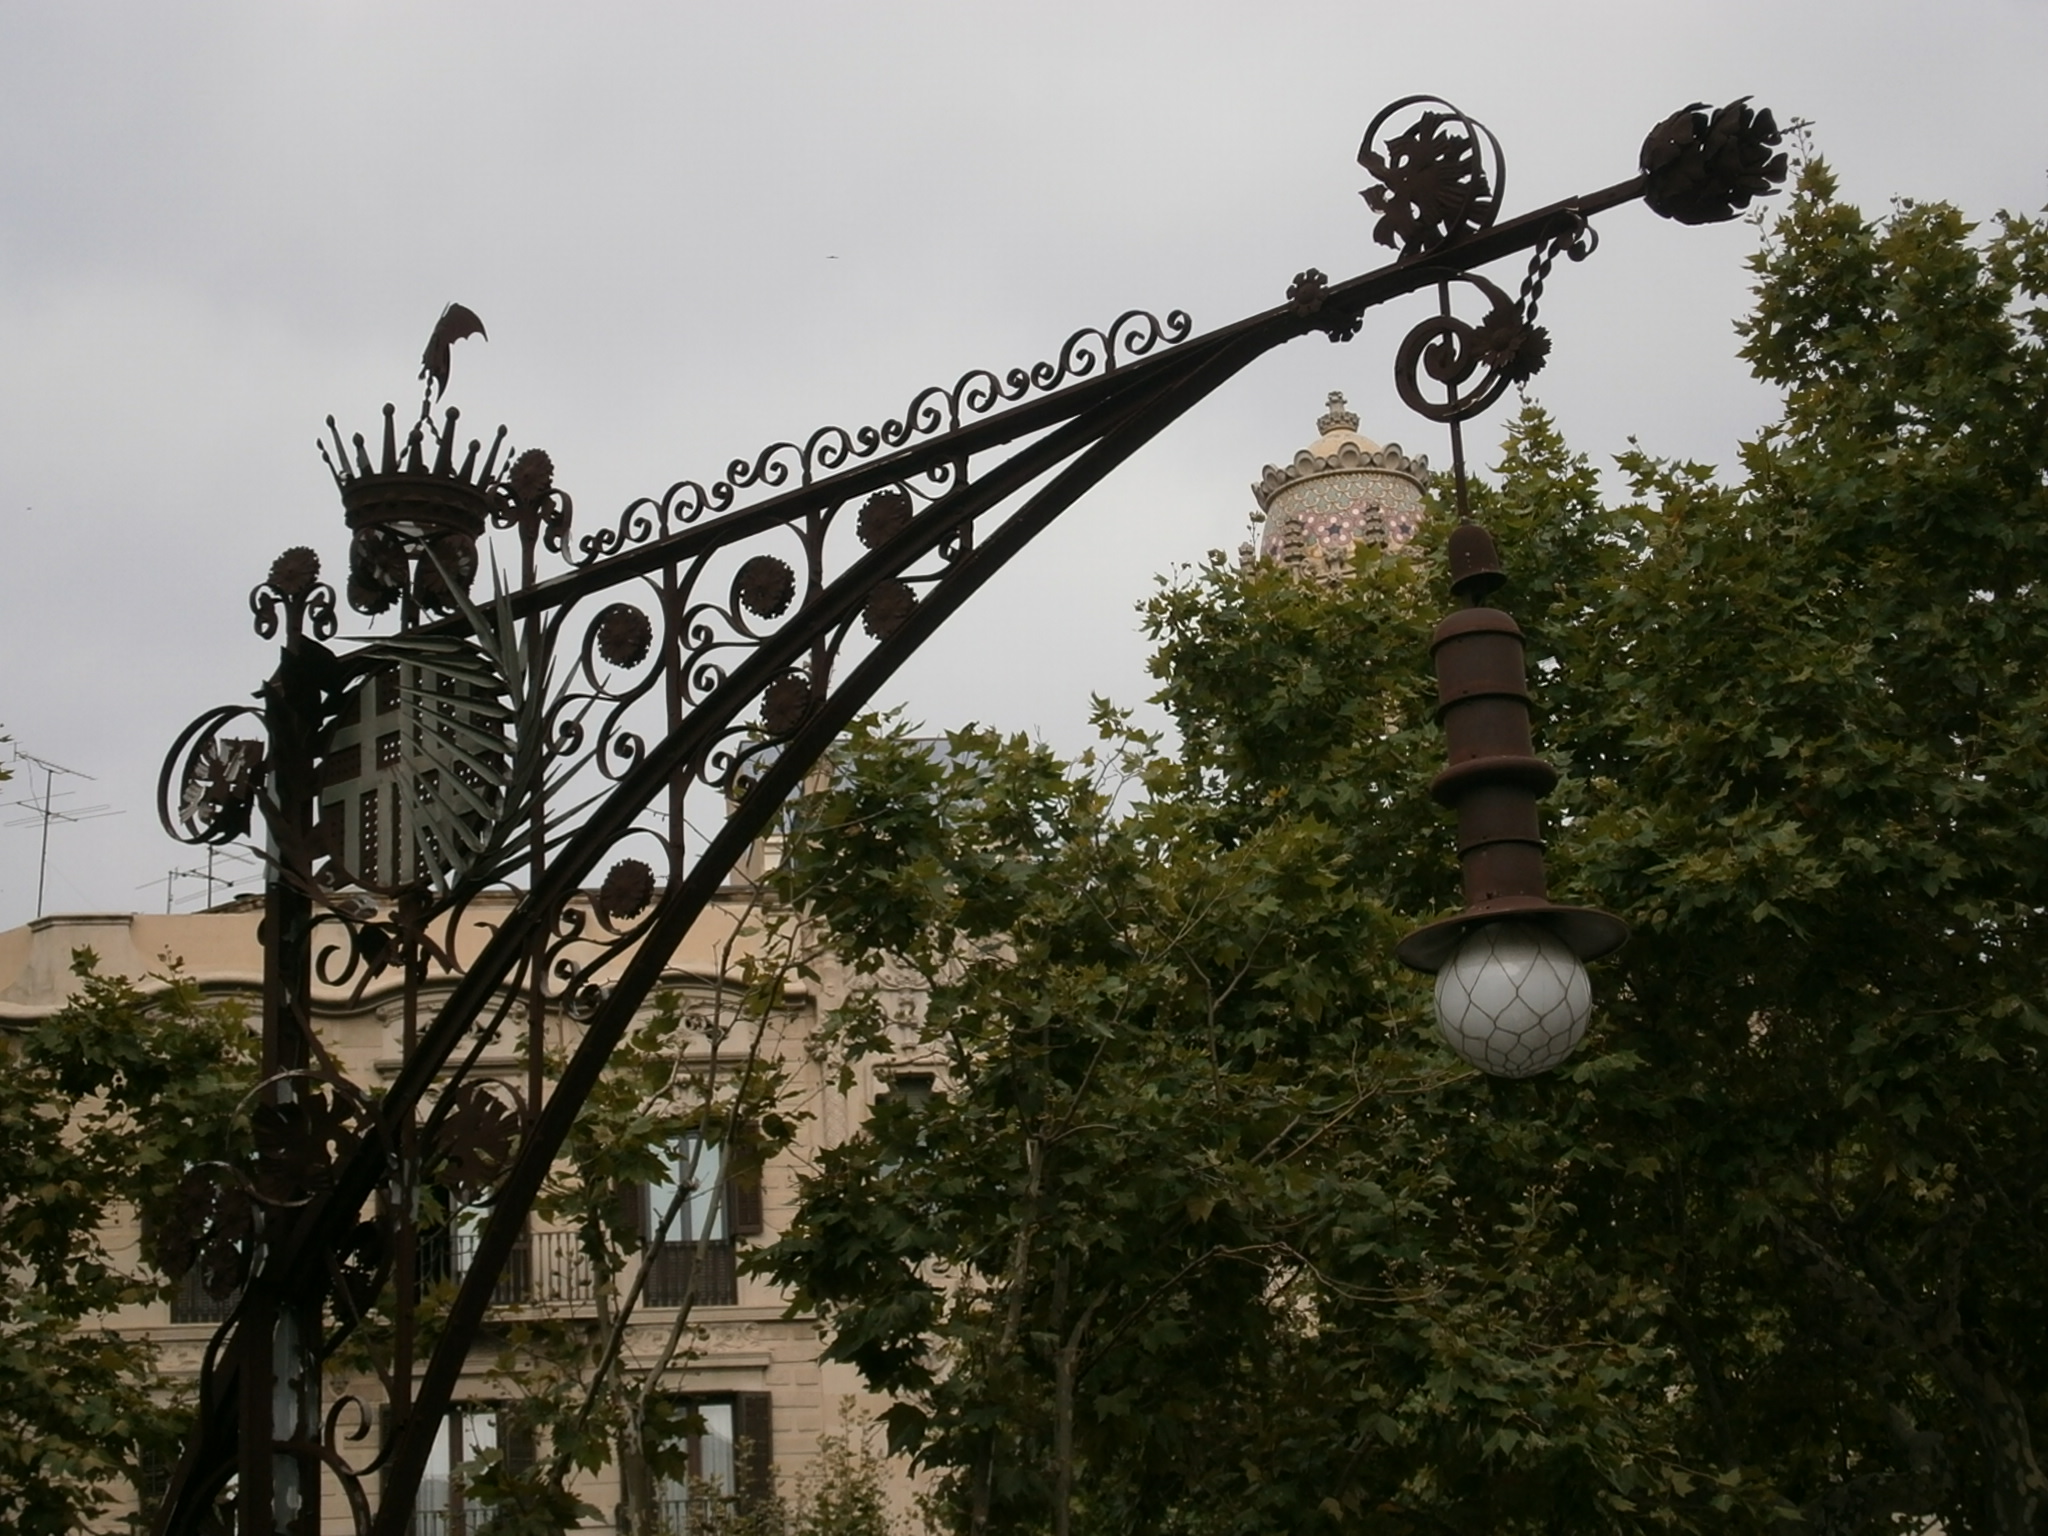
column 1339, row 490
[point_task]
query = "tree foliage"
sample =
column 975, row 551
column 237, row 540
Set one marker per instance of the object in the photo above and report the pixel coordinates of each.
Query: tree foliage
column 1208, row 1235
column 107, row 1101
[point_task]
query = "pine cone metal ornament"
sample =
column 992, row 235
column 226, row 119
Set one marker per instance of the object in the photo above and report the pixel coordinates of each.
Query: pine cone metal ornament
column 1705, row 168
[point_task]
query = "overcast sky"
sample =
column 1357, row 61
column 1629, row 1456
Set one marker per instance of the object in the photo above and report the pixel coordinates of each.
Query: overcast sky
column 693, row 229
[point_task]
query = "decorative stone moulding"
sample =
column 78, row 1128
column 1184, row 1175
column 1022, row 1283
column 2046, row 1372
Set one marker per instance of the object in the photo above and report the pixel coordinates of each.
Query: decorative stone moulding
column 1348, row 458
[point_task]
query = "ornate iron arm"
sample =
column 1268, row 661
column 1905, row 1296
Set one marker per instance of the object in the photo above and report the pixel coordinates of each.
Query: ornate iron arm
column 532, row 739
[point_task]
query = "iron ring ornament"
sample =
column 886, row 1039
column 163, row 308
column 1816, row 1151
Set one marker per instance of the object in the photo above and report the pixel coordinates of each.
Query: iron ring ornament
column 208, row 786
column 296, row 1140
column 518, row 740
column 1441, row 176
column 471, row 1135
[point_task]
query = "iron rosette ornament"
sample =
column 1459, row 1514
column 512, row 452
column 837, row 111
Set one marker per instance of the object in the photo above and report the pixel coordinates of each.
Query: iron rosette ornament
column 620, row 662
column 294, row 592
column 527, row 499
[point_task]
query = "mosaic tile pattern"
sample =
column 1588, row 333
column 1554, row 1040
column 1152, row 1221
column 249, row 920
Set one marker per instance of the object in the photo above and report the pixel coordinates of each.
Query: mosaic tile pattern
column 1331, row 512
column 1340, row 491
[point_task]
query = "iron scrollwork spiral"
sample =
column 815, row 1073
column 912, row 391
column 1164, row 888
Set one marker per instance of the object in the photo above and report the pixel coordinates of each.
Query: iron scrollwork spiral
column 1506, row 342
column 933, row 410
column 1496, row 351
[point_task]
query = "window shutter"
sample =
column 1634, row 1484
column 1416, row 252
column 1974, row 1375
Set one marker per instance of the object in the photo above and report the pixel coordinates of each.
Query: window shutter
column 753, row 1426
column 515, row 1285
column 743, row 1183
column 633, row 1213
column 515, row 1435
column 151, row 1476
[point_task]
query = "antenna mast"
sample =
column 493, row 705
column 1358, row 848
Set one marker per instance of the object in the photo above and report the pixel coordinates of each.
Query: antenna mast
column 45, row 811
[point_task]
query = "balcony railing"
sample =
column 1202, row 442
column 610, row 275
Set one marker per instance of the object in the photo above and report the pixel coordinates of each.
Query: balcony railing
column 447, row 1255
column 672, row 1267
column 546, row 1267
column 558, row 1269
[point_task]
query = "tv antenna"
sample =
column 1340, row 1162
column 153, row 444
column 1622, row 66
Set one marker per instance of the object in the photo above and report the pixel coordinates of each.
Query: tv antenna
column 46, row 810
column 230, row 876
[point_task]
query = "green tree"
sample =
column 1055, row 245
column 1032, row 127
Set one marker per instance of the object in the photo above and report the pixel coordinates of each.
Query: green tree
column 1208, row 1235
column 106, row 1102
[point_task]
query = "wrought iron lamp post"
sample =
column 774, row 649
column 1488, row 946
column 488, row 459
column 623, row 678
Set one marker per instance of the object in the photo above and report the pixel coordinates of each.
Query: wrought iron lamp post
column 540, row 743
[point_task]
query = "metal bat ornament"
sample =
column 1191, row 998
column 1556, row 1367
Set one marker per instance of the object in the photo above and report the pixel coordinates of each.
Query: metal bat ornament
column 456, row 322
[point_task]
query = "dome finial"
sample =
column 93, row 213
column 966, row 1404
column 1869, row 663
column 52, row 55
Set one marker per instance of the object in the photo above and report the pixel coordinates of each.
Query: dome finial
column 1336, row 417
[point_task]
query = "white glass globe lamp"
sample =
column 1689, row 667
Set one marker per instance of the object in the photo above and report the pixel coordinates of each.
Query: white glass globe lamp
column 1513, row 1000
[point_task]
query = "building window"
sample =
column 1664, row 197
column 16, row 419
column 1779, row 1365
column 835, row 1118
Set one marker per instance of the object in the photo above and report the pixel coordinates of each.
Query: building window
column 913, row 1090
column 694, row 1183
column 150, row 1477
column 693, row 1261
column 714, row 1197
column 728, row 1456
column 467, row 1433
column 707, row 1445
